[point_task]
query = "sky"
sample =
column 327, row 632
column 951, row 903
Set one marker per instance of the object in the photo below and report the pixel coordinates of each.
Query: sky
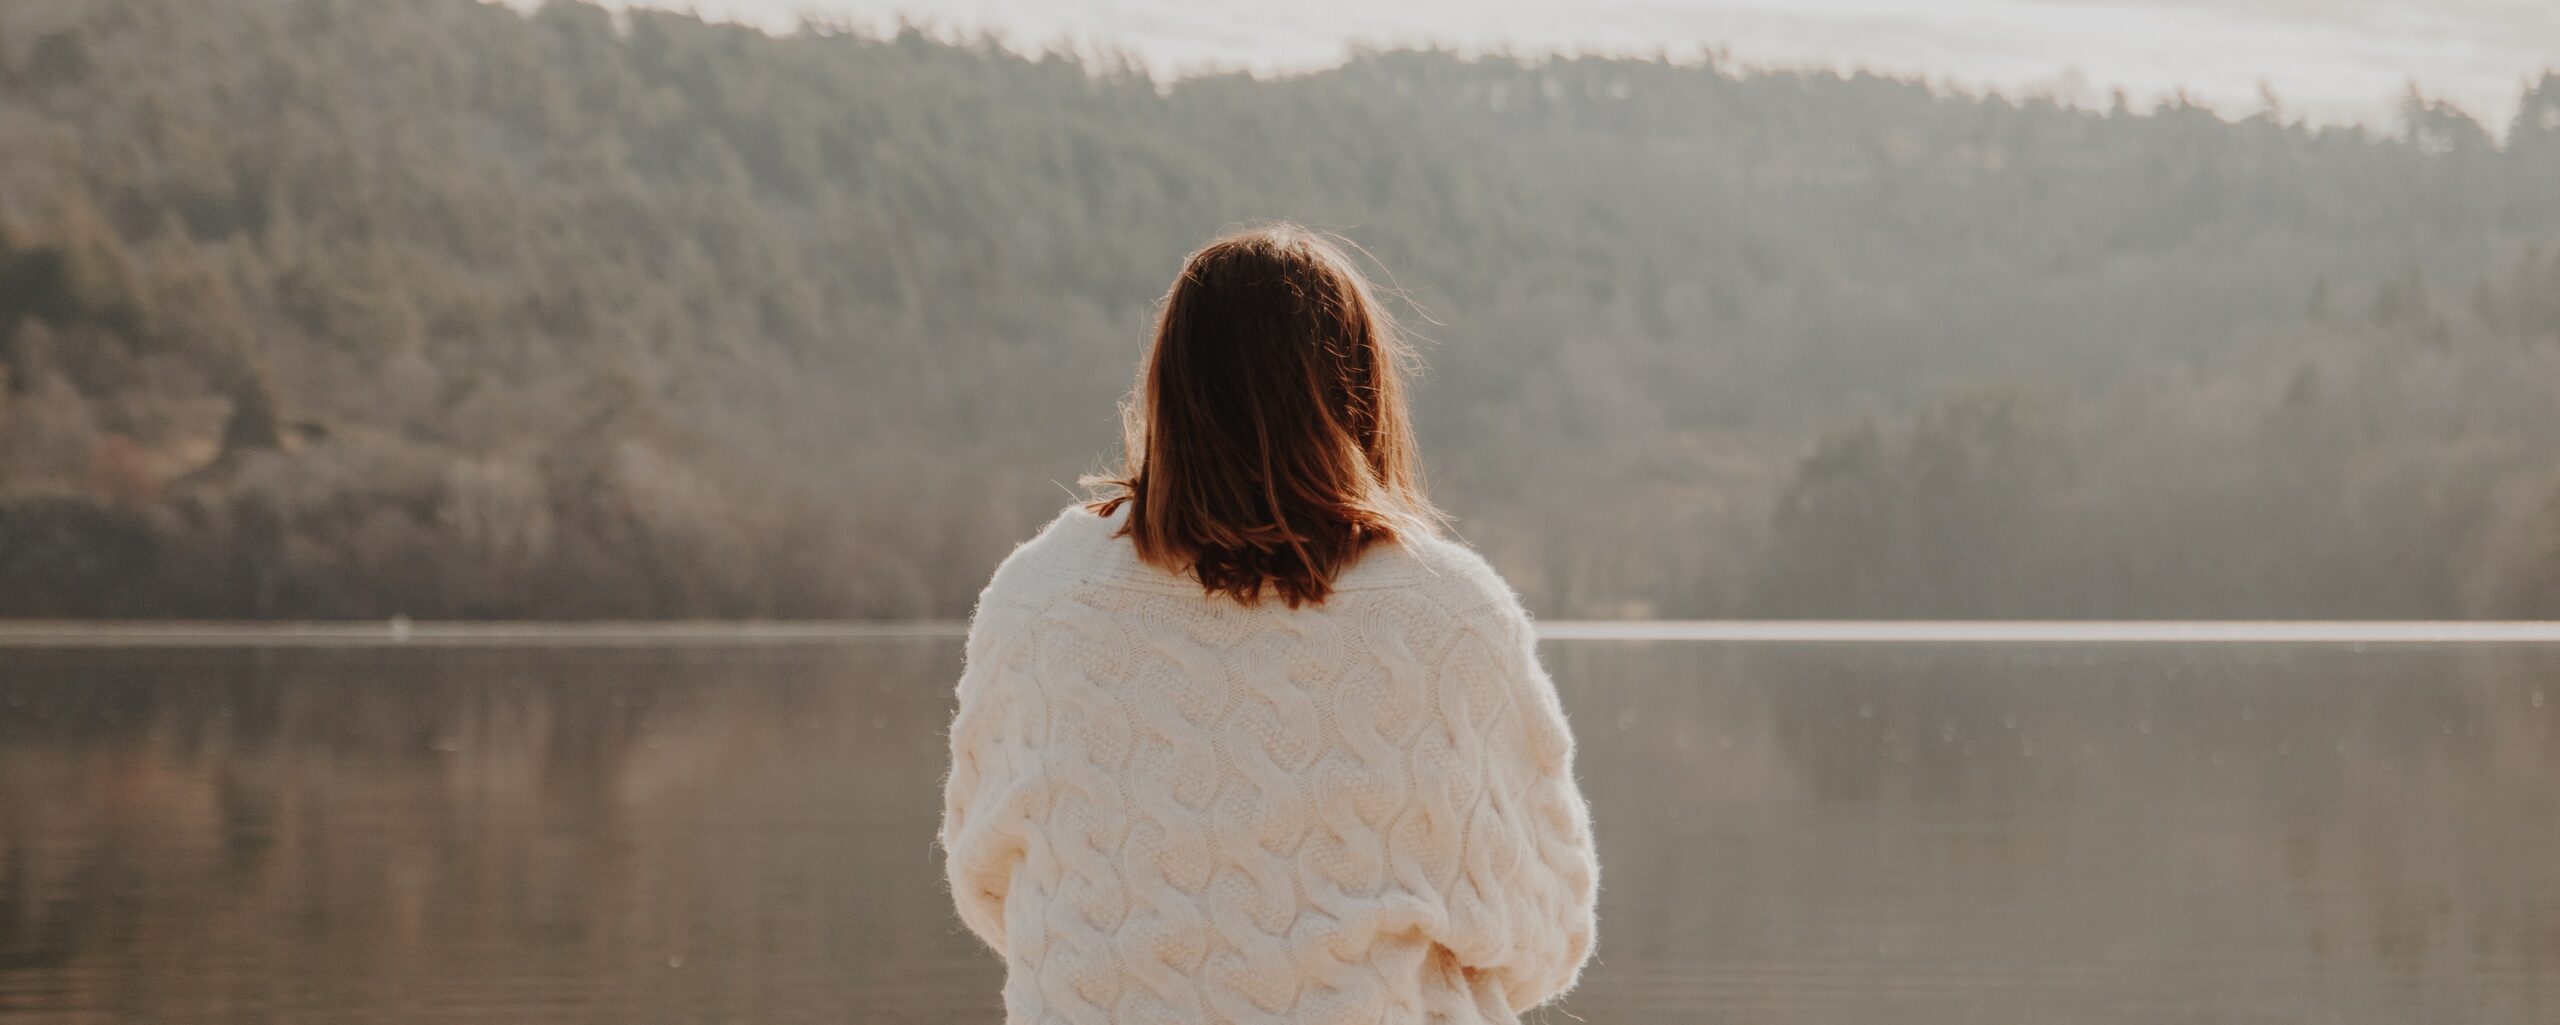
column 2328, row 61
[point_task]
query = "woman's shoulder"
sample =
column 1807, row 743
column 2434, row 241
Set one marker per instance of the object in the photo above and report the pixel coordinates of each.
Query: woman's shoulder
column 1447, row 569
column 1079, row 547
column 1053, row 561
column 1063, row 550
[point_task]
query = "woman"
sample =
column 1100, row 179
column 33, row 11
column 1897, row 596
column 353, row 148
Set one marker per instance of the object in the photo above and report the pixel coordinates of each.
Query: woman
column 1245, row 739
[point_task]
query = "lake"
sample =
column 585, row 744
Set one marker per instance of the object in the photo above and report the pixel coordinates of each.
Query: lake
column 1809, row 832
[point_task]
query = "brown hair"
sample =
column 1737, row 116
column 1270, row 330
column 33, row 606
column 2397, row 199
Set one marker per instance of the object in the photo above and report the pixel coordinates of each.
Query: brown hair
column 1267, row 440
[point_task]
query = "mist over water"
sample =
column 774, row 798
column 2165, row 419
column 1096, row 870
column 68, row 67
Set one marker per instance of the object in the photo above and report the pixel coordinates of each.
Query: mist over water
column 1802, row 833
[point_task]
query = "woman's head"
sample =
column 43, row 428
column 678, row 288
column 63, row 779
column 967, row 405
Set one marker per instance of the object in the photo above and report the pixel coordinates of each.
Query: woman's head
column 1267, row 440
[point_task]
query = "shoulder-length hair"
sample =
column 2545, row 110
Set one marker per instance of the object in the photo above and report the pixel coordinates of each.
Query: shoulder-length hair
column 1267, row 441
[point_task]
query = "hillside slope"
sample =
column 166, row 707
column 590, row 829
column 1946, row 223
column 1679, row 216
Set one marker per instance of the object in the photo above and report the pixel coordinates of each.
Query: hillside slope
column 362, row 307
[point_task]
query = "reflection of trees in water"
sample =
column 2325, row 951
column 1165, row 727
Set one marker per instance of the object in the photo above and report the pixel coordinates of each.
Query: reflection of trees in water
column 2442, row 822
column 381, row 828
column 2383, row 820
column 690, row 835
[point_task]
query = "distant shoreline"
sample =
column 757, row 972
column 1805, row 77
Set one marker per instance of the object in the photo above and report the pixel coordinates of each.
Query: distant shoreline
column 24, row 634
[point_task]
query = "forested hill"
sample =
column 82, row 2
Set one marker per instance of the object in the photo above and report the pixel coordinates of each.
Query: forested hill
column 364, row 307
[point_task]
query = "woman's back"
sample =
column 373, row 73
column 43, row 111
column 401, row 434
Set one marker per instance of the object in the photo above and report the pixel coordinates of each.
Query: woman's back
column 1172, row 806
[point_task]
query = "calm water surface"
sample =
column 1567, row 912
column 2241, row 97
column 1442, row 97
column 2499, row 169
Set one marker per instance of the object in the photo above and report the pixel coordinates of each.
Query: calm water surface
column 1789, row 833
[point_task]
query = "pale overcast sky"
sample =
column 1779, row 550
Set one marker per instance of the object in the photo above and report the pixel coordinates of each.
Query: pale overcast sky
column 2329, row 60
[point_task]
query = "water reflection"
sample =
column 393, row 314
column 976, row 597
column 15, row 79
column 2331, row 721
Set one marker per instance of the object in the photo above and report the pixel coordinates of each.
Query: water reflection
column 2039, row 834
column 1789, row 833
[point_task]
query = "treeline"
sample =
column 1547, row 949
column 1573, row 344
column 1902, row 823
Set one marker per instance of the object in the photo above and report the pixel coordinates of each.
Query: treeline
column 432, row 307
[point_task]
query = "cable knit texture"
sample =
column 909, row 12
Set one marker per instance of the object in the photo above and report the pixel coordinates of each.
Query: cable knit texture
column 1170, row 808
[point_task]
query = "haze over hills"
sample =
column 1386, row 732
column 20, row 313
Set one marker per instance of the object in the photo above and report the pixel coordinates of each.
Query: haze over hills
column 362, row 307
column 2333, row 61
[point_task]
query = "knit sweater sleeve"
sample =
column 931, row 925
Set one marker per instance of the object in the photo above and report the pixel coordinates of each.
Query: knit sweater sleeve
column 1523, row 904
column 986, row 816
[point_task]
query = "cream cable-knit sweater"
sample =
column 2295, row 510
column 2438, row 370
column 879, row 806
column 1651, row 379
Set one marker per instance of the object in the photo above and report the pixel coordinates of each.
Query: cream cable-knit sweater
column 1170, row 808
